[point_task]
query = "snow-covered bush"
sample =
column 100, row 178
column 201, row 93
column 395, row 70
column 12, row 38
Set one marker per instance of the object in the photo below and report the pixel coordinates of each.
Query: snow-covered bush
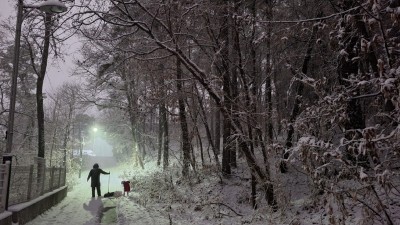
column 349, row 138
column 353, row 167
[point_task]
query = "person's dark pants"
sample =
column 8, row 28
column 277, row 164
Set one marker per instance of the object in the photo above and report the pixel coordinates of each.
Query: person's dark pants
column 98, row 191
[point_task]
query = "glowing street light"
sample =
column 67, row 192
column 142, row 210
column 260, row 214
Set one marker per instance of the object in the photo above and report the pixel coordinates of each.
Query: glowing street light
column 52, row 6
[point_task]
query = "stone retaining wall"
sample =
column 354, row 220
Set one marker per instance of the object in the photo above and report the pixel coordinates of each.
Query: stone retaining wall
column 25, row 212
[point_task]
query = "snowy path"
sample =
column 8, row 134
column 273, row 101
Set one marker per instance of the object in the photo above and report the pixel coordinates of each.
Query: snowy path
column 79, row 208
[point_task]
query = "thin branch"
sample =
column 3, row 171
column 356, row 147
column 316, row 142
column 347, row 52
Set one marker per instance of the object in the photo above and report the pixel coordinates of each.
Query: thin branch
column 366, row 96
column 219, row 203
column 309, row 20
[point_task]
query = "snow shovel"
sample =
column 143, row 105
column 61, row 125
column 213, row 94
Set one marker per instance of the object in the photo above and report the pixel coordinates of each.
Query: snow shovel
column 108, row 194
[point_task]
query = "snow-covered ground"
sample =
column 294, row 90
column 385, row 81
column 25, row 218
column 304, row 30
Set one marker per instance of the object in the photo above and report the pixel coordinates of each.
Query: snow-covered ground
column 160, row 197
column 79, row 208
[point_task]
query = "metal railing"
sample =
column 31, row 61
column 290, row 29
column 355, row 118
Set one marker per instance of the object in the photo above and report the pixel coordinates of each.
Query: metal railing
column 29, row 182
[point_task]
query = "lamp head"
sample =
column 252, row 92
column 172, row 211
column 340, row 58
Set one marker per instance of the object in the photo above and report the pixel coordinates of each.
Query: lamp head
column 52, row 6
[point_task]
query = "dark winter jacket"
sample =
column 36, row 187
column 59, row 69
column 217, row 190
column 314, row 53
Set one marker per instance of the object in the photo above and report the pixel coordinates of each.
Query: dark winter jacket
column 95, row 175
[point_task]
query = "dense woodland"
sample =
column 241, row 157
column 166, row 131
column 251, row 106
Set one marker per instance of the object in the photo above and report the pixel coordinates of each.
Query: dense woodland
column 207, row 83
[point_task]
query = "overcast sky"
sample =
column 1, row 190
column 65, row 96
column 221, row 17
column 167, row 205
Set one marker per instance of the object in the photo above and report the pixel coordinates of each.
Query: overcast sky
column 58, row 72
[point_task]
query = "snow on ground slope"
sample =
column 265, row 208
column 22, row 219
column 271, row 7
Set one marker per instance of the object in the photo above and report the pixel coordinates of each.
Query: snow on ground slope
column 129, row 212
column 209, row 198
column 160, row 197
column 206, row 199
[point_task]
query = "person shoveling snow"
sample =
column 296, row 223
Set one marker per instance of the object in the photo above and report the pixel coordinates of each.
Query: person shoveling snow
column 94, row 175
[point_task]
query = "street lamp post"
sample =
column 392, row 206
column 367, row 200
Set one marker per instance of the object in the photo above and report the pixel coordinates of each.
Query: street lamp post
column 13, row 94
column 48, row 6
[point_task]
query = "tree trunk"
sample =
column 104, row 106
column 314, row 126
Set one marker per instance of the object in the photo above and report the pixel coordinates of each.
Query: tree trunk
column 160, row 132
column 39, row 87
column 183, row 121
column 207, row 128
column 297, row 102
column 226, row 151
column 348, row 67
column 226, row 79
column 129, row 85
column 163, row 148
column 55, row 130
column 165, row 140
column 251, row 98
column 217, row 131
column 200, row 145
column 269, row 191
column 268, row 80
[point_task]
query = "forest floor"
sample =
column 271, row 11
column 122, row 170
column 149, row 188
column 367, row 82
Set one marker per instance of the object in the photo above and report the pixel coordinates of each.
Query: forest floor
column 210, row 198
